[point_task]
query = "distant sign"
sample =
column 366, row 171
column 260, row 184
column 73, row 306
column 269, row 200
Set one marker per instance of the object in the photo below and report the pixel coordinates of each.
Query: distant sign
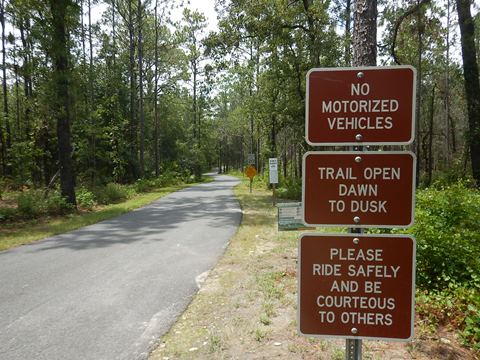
column 273, row 170
column 359, row 189
column 364, row 105
column 251, row 159
column 250, row 171
column 356, row 286
column 290, row 216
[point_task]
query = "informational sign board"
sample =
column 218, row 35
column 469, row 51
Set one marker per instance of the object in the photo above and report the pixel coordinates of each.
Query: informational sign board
column 356, row 286
column 250, row 171
column 290, row 216
column 358, row 189
column 364, row 106
column 251, row 159
column 273, row 170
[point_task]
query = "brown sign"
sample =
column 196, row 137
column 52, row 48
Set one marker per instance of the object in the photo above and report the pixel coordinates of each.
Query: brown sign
column 358, row 189
column 356, row 286
column 369, row 105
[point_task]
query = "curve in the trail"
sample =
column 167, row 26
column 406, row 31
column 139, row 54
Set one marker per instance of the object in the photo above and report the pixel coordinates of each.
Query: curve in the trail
column 110, row 290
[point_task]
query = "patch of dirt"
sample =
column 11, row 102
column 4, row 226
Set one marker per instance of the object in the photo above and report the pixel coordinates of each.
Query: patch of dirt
column 246, row 308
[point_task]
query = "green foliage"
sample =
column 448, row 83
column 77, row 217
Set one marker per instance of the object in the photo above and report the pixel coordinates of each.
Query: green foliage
column 457, row 305
column 29, row 203
column 55, row 204
column 85, row 198
column 112, row 193
column 291, row 189
column 7, row 214
column 33, row 203
column 448, row 236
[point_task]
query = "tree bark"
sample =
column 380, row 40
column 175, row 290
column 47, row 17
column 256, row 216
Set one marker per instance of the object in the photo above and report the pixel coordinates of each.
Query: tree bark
column 365, row 33
column 472, row 85
column 155, row 96
column 4, row 80
column 140, row 81
column 60, row 52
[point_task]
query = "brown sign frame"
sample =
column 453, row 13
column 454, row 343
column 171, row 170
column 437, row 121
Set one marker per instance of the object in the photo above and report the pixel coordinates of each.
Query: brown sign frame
column 353, row 154
column 388, row 86
column 394, row 334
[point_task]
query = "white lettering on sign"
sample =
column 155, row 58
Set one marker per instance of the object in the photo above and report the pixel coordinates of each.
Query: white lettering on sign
column 364, row 107
column 360, row 123
column 349, row 193
column 359, row 106
column 360, row 295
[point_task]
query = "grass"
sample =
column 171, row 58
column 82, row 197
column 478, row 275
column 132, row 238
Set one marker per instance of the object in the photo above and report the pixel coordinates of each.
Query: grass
column 21, row 233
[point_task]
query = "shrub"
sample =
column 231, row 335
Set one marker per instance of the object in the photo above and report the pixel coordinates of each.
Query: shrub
column 291, row 189
column 55, row 204
column 458, row 306
column 30, row 203
column 7, row 214
column 85, row 198
column 447, row 230
column 145, row 185
column 112, row 193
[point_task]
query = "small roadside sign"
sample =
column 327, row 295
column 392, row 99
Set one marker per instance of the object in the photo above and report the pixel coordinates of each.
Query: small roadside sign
column 250, row 171
column 273, row 170
column 358, row 189
column 290, row 216
column 356, row 286
column 251, row 159
column 363, row 106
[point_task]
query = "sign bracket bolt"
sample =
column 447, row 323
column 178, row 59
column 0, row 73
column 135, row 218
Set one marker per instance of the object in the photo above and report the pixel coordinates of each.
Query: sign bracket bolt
column 358, row 159
column 356, row 240
column 356, row 219
column 360, row 75
column 354, row 331
column 359, row 137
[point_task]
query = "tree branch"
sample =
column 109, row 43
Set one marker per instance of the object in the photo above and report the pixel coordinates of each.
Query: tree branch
column 406, row 14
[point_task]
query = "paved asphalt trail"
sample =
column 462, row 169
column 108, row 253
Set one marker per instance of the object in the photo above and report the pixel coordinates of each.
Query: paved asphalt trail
column 109, row 290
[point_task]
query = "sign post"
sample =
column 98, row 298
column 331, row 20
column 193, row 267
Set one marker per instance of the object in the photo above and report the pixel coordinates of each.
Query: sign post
column 358, row 286
column 273, row 176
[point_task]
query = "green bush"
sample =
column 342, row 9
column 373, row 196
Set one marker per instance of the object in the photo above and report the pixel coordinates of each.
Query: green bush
column 447, row 229
column 55, row 204
column 457, row 305
column 145, row 185
column 30, row 203
column 85, row 198
column 112, row 193
column 291, row 189
column 7, row 214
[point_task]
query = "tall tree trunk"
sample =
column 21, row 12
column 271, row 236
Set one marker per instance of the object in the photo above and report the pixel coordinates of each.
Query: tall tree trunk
column 90, row 96
column 365, row 33
column 4, row 80
column 429, row 164
column 418, row 113
column 448, row 154
column 131, row 73
column 348, row 30
column 155, row 96
column 60, row 52
column 27, row 78
column 472, row 85
column 140, row 81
